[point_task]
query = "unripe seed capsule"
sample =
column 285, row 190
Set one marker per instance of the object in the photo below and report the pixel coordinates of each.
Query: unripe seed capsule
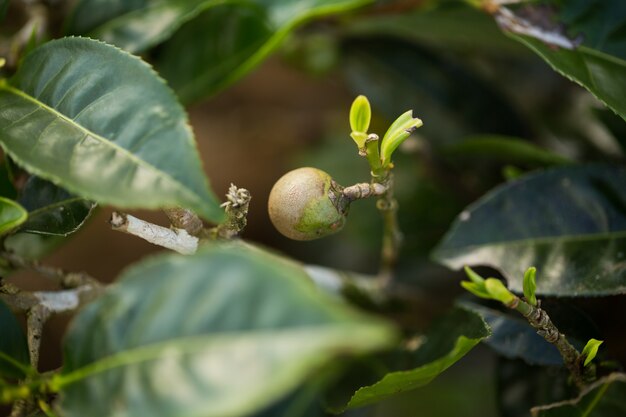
column 306, row 204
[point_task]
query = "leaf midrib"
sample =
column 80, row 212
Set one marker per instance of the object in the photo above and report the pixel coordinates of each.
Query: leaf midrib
column 107, row 142
column 193, row 344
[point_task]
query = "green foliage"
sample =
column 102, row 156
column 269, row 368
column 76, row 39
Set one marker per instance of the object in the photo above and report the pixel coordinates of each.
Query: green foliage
column 399, row 130
column 605, row 398
column 448, row 341
column 219, row 41
column 70, row 118
column 51, row 209
column 591, row 350
column 185, row 321
column 13, row 348
column 11, row 215
column 360, row 115
column 530, row 285
column 517, row 225
column 236, row 331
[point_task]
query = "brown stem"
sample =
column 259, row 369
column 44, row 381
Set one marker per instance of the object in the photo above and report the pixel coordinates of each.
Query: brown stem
column 539, row 319
column 36, row 318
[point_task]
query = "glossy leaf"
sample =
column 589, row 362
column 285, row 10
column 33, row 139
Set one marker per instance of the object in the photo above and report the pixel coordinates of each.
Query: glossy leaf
column 570, row 223
column 600, row 23
column 69, row 117
column 601, row 74
column 51, row 209
column 448, row 342
column 13, row 348
column 227, row 331
column 227, row 41
column 11, row 215
column 605, row 398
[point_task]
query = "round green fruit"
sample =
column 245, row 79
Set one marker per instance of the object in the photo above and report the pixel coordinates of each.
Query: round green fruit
column 306, row 204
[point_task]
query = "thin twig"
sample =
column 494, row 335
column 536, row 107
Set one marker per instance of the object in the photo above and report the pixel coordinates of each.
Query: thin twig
column 175, row 239
column 36, row 318
column 539, row 319
column 392, row 237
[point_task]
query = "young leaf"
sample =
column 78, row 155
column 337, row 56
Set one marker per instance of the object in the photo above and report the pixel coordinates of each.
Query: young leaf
column 70, row 117
column 473, row 276
column 11, row 215
column 604, row 398
column 360, row 115
column 14, row 361
column 498, row 291
column 224, row 332
column 477, row 284
column 510, row 228
column 591, row 350
column 530, row 285
column 52, row 210
column 396, row 134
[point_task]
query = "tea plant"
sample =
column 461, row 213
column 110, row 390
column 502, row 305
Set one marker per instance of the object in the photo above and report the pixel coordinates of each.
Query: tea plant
column 91, row 114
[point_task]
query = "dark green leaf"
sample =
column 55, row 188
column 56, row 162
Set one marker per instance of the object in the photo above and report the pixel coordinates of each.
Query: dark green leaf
column 13, row 348
column 568, row 222
column 225, row 332
column 11, row 215
column 212, row 51
column 69, row 117
column 506, row 149
column 605, row 398
column 601, row 74
column 600, row 23
column 227, row 41
column 140, row 24
column 90, row 14
column 448, row 342
column 51, row 209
